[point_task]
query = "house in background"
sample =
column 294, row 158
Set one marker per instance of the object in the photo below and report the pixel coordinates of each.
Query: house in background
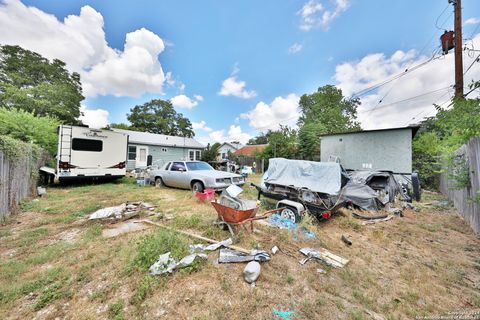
column 250, row 150
column 382, row 149
column 227, row 147
column 146, row 148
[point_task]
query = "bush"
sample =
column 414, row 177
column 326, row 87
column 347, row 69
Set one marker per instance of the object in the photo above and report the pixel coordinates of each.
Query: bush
column 26, row 127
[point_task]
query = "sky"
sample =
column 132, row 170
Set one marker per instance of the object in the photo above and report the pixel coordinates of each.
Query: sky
column 238, row 68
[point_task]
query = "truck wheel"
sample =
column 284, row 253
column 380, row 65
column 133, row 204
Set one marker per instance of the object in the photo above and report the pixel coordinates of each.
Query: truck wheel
column 159, row 182
column 197, row 186
column 290, row 213
column 416, row 186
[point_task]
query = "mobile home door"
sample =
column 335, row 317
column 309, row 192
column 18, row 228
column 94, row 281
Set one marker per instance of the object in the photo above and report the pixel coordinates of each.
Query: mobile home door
column 141, row 160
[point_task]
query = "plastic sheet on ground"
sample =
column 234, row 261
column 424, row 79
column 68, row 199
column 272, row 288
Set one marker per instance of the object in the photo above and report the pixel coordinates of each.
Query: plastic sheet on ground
column 233, row 256
column 323, row 177
column 123, row 211
column 166, row 264
column 195, row 248
column 276, row 220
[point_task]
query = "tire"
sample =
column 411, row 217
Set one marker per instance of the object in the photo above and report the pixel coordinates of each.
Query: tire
column 159, row 182
column 290, row 213
column 197, row 186
column 416, row 186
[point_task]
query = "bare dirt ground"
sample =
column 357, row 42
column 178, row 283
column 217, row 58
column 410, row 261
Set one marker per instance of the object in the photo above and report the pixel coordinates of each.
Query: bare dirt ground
column 55, row 264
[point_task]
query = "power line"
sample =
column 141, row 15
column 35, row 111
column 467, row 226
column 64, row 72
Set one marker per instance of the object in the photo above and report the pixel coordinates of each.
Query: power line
column 477, row 59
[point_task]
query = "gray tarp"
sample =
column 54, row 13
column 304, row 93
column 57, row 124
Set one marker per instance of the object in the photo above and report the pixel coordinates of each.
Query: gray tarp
column 324, row 177
column 361, row 195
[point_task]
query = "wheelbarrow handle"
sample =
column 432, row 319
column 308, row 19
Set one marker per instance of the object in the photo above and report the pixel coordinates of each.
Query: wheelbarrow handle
column 265, row 215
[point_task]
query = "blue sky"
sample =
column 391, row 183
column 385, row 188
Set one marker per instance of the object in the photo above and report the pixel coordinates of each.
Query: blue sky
column 238, row 67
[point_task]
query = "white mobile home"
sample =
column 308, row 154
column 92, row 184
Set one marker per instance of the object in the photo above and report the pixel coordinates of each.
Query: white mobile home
column 90, row 153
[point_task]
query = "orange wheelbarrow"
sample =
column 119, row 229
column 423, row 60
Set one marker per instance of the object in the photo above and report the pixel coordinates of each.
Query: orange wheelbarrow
column 234, row 219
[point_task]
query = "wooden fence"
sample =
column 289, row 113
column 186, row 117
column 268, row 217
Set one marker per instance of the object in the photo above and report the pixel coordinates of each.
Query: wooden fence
column 16, row 181
column 467, row 199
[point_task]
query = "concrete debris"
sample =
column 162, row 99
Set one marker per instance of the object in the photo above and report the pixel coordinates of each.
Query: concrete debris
column 121, row 212
column 233, row 256
column 275, row 249
column 123, row 227
column 166, row 264
column 41, row 191
column 195, row 248
column 395, row 211
column 322, row 271
column 251, row 271
column 323, row 255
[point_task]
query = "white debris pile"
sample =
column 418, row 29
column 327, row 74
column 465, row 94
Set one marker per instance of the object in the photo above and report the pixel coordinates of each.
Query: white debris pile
column 121, row 212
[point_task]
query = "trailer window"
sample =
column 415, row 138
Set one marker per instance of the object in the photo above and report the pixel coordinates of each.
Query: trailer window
column 132, row 153
column 87, row 145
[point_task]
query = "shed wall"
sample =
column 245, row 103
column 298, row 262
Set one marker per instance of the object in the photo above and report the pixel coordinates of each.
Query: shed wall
column 377, row 150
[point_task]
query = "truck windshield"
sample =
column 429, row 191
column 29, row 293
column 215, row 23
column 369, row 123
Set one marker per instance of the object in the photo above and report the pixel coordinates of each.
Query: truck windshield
column 193, row 166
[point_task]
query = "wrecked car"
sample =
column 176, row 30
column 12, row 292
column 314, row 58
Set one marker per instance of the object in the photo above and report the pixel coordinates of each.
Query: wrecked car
column 194, row 175
column 314, row 185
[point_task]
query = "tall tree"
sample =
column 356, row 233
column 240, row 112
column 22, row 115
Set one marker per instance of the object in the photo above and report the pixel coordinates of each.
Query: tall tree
column 32, row 83
column 324, row 111
column 210, row 153
column 262, row 138
column 282, row 144
column 159, row 116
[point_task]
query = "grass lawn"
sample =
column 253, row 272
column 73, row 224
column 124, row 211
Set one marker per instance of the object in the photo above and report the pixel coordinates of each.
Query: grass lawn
column 55, row 264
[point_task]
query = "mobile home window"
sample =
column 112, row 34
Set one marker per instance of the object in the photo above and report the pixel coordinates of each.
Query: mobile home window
column 132, row 153
column 87, row 145
column 191, row 154
column 198, row 155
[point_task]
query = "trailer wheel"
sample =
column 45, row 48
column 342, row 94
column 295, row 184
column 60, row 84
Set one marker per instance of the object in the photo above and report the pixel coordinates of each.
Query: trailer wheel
column 416, row 186
column 290, row 213
column 159, row 182
column 197, row 186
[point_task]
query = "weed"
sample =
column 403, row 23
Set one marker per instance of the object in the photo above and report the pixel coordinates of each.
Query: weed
column 29, row 237
column 115, row 310
column 151, row 246
column 429, row 227
column 320, row 301
column 93, row 232
column 360, row 297
column 355, row 314
column 188, row 222
column 196, row 265
column 290, row 279
column 307, row 309
column 350, row 223
column 46, row 254
column 5, row 233
column 144, row 289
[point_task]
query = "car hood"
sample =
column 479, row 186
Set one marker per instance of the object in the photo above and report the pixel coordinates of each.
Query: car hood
column 215, row 174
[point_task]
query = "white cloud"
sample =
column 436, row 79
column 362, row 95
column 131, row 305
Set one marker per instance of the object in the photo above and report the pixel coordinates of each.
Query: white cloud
column 294, row 48
column 281, row 111
column 182, row 101
column 94, row 118
column 79, row 41
column 354, row 76
column 201, row 126
column 473, row 20
column 233, row 87
column 235, row 133
column 313, row 14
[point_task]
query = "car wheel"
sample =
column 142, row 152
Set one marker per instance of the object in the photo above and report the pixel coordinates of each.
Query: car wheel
column 416, row 186
column 197, row 186
column 291, row 214
column 159, row 182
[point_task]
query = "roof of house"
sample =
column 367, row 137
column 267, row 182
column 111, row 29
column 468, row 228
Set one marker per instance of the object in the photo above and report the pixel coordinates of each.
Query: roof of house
column 250, row 149
column 235, row 146
column 413, row 128
column 148, row 138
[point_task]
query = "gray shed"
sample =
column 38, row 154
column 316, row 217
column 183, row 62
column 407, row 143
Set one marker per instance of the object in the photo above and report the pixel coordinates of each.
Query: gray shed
column 382, row 149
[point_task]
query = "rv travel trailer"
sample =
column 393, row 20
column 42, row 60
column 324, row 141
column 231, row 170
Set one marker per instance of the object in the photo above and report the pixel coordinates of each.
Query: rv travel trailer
column 85, row 153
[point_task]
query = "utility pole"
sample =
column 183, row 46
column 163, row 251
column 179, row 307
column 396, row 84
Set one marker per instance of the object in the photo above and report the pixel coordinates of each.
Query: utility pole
column 457, row 5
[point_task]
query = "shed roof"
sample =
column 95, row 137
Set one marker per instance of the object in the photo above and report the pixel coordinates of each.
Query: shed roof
column 148, row 138
column 249, row 149
column 413, row 128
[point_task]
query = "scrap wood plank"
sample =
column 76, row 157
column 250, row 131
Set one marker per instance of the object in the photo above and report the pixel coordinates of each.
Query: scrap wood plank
column 324, row 255
column 376, row 220
column 192, row 235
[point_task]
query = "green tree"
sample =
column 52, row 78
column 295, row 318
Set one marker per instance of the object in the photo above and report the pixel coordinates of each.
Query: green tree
column 324, row 111
column 282, row 144
column 210, row 153
column 32, row 83
column 262, row 138
column 123, row 126
column 159, row 116
column 27, row 127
